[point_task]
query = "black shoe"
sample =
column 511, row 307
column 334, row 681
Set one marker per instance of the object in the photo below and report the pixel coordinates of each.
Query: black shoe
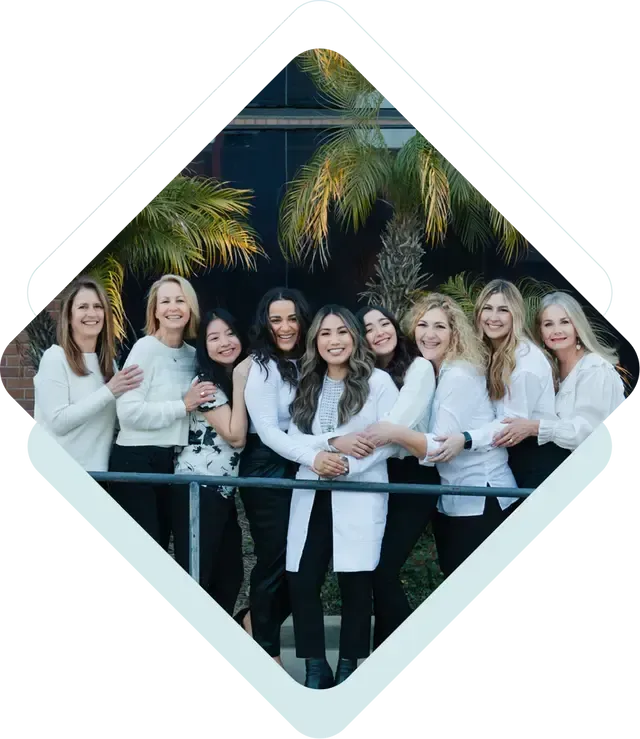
column 319, row 675
column 345, row 668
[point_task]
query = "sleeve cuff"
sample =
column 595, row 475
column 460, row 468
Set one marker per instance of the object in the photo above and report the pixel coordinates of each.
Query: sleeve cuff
column 545, row 432
column 179, row 408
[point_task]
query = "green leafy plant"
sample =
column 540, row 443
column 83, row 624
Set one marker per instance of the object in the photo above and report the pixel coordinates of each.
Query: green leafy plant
column 354, row 168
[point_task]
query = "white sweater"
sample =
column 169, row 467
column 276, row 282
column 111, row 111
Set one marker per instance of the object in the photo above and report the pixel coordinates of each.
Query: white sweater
column 154, row 414
column 79, row 412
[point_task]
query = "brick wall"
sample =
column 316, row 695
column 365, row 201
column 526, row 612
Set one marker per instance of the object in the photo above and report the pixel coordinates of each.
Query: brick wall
column 15, row 370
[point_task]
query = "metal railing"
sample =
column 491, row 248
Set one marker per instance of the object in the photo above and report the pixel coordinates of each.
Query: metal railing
column 194, row 482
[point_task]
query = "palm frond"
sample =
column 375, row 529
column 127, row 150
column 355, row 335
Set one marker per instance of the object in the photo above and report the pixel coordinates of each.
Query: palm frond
column 343, row 87
column 478, row 219
column 110, row 272
column 346, row 173
column 464, row 289
column 532, row 292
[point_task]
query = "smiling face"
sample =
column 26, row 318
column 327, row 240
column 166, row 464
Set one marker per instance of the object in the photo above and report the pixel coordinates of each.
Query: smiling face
column 223, row 346
column 335, row 343
column 495, row 319
column 172, row 309
column 381, row 334
column 87, row 315
column 284, row 324
column 557, row 329
column 433, row 335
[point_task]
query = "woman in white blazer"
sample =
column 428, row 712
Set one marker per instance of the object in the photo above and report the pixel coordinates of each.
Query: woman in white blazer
column 77, row 382
column 589, row 386
column 446, row 338
column 339, row 393
column 519, row 381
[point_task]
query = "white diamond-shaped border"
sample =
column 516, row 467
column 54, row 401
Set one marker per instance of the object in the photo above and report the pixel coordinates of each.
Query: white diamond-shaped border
column 333, row 713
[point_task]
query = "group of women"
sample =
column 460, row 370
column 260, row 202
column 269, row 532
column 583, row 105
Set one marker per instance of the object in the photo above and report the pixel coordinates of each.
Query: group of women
column 449, row 400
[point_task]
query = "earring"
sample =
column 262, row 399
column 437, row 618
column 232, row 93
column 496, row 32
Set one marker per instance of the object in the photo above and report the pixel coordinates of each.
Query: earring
column 578, row 344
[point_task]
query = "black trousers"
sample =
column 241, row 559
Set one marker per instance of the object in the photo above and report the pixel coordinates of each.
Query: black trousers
column 407, row 517
column 306, row 584
column 532, row 463
column 457, row 537
column 149, row 505
column 268, row 515
column 221, row 568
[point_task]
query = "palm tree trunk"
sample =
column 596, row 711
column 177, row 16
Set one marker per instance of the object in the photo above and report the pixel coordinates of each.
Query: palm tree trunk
column 398, row 278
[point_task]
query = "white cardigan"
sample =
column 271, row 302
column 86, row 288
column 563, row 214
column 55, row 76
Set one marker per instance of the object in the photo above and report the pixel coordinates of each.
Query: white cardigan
column 358, row 518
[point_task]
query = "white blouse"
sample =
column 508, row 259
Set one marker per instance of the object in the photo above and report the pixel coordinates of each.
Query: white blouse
column 461, row 403
column 268, row 397
column 413, row 407
column 530, row 394
column 588, row 394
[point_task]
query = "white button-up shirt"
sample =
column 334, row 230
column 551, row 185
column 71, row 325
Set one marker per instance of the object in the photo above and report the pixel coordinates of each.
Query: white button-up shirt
column 461, row 403
column 530, row 394
column 588, row 394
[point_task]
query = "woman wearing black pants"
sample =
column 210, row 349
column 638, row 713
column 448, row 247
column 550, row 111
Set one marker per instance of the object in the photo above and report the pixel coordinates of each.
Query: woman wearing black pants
column 154, row 417
column 408, row 514
column 277, row 343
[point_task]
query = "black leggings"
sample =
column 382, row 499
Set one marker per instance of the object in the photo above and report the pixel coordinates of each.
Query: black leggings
column 407, row 518
column 268, row 515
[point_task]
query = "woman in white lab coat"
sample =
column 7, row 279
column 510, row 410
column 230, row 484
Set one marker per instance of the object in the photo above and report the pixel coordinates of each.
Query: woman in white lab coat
column 445, row 337
column 589, row 386
column 339, row 392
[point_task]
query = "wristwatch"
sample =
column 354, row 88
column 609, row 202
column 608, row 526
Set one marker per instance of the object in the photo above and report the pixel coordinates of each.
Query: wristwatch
column 468, row 441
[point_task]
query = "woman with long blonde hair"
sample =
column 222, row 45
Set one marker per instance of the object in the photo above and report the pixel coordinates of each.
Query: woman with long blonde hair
column 77, row 382
column 446, row 338
column 154, row 418
column 519, row 382
column 589, row 386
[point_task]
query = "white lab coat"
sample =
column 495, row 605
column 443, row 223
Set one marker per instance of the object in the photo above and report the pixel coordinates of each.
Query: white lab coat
column 358, row 518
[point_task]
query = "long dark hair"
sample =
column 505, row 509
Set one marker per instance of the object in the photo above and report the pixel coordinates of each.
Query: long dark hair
column 263, row 346
column 208, row 369
column 404, row 353
column 313, row 370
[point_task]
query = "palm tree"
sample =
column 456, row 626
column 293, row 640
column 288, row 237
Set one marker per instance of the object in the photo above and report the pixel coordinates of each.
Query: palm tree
column 193, row 223
column 465, row 289
column 353, row 168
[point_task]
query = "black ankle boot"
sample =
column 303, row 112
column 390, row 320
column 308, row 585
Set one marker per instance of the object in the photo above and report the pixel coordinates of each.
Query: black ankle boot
column 319, row 675
column 345, row 668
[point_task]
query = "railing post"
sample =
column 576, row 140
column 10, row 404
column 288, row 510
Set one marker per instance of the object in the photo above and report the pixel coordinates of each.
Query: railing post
column 194, row 531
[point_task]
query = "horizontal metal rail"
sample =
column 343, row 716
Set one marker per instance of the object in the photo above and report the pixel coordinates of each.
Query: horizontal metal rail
column 194, row 483
column 286, row 483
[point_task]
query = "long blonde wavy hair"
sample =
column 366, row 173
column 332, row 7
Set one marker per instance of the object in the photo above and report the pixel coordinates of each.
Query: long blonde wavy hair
column 502, row 359
column 464, row 344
